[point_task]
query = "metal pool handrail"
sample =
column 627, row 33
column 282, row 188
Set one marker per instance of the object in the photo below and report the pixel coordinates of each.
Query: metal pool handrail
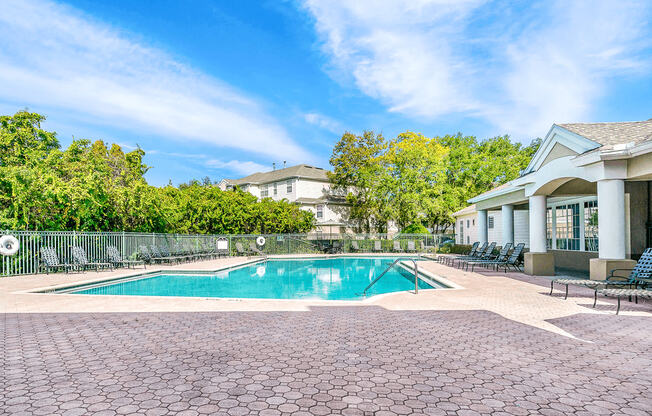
column 416, row 276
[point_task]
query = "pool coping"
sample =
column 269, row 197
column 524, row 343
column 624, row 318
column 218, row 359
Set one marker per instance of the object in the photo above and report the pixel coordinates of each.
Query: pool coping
column 448, row 285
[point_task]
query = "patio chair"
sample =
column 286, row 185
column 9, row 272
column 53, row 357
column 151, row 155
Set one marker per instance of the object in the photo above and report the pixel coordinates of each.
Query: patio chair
column 397, row 247
column 642, row 270
column 486, row 255
column 411, row 247
column 157, row 256
column 378, row 246
column 479, row 253
column 621, row 293
column 354, row 246
column 492, row 260
column 514, row 260
column 473, row 253
column 116, row 259
column 240, row 250
column 165, row 253
column 50, row 260
column 254, row 249
column 144, row 254
column 79, row 257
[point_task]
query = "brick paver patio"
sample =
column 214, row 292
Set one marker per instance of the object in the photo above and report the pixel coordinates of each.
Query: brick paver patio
column 363, row 360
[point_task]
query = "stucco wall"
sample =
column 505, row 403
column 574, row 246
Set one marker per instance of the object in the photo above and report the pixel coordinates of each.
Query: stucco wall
column 521, row 228
column 470, row 230
column 573, row 260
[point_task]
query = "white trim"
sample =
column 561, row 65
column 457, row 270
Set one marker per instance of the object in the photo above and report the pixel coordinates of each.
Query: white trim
column 570, row 201
column 558, row 134
column 491, row 194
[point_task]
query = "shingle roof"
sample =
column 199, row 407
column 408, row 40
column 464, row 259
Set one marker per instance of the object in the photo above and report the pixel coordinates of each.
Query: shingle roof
column 298, row 171
column 610, row 134
column 467, row 210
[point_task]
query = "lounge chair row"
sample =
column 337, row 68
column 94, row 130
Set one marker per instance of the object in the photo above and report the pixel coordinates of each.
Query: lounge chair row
column 161, row 253
column 153, row 254
column 484, row 256
column 50, row 260
column 396, row 247
column 634, row 284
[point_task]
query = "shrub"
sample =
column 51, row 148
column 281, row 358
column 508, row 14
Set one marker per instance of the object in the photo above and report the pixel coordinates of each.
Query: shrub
column 415, row 228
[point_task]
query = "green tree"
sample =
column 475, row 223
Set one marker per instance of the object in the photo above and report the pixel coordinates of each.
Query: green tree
column 94, row 187
column 357, row 168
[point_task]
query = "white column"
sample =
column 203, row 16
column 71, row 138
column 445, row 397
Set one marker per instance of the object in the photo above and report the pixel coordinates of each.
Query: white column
column 538, row 224
column 611, row 219
column 507, row 217
column 482, row 226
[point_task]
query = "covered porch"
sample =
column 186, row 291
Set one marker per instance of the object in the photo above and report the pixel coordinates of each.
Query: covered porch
column 588, row 194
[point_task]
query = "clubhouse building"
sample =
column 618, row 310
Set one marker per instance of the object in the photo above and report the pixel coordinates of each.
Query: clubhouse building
column 584, row 202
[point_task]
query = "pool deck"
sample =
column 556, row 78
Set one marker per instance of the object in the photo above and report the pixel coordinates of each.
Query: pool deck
column 514, row 296
column 498, row 344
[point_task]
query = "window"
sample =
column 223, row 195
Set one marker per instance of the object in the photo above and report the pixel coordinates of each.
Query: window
column 461, row 231
column 320, row 211
column 549, row 228
column 567, row 227
column 275, row 189
column 468, row 223
column 473, row 222
column 490, row 223
column 591, row 225
column 289, row 187
column 264, row 191
column 468, row 240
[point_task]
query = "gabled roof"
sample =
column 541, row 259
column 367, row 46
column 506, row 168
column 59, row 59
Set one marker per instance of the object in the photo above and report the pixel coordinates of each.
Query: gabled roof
column 610, row 134
column 464, row 211
column 298, row 171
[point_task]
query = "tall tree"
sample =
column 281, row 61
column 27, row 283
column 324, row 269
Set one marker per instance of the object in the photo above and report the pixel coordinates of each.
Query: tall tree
column 356, row 173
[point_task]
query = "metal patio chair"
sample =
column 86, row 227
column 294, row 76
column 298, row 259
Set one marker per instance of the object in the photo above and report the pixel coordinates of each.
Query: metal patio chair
column 114, row 257
column 476, row 249
column 642, row 270
column 378, row 247
column 50, row 260
column 491, row 259
column 514, row 260
column 80, row 259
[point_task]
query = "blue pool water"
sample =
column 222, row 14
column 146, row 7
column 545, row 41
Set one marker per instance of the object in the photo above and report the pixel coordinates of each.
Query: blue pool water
column 342, row 278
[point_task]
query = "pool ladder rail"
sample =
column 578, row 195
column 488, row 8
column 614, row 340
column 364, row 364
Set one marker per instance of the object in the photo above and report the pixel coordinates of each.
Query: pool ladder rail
column 416, row 275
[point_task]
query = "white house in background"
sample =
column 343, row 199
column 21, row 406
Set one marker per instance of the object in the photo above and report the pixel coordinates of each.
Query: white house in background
column 466, row 230
column 305, row 185
column 587, row 196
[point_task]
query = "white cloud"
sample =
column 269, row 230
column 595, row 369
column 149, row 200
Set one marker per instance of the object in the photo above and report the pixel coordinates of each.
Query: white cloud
column 237, row 166
column 324, row 122
column 521, row 68
column 53, row 56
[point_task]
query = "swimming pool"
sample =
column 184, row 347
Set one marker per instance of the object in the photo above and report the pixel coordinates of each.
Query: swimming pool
column 339, row 278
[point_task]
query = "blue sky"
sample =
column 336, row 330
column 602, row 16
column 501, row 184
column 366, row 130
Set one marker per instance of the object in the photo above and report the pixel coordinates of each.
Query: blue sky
column 225, row 88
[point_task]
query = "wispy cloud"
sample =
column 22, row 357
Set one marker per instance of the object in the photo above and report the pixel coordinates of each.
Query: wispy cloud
column 521, row 68
column 324, row 122
column 53, row 56
column 236, row 166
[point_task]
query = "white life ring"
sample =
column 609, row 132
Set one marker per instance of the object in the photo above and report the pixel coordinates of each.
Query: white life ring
column 9, row 245
column 260, row 240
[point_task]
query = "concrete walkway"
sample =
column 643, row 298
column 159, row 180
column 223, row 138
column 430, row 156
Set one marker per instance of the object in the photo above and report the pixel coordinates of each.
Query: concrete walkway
column 498, row 345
